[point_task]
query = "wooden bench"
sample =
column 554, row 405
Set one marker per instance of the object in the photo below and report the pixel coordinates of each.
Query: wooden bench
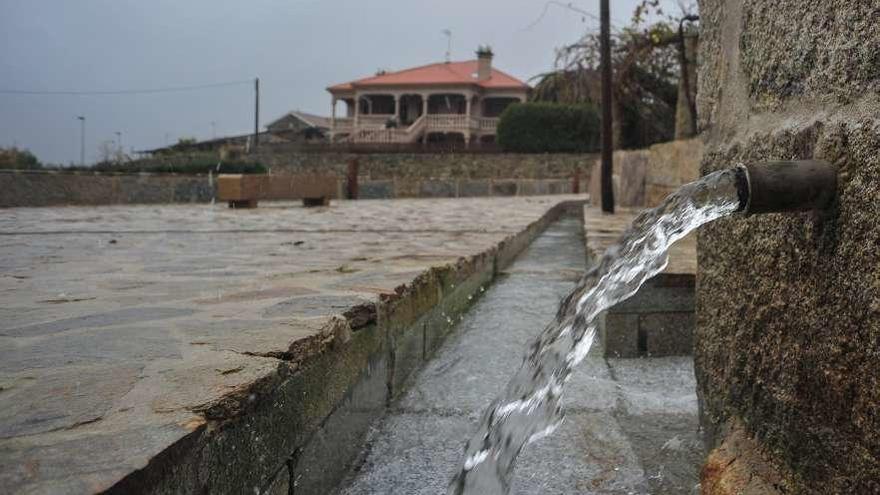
column 246, row 190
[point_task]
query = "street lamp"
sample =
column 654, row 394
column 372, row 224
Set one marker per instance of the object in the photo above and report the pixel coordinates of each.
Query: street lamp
column 82, row 140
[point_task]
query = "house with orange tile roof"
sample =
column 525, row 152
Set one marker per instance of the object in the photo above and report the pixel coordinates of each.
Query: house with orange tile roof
column 448, row 101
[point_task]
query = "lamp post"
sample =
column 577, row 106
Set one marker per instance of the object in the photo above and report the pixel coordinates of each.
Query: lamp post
column 82, row 140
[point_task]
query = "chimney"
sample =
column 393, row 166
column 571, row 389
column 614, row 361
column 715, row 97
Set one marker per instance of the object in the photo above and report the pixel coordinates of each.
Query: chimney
column 484, row 63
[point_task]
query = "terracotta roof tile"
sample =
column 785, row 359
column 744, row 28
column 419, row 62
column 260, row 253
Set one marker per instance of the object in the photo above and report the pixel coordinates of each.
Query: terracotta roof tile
column 433, row 74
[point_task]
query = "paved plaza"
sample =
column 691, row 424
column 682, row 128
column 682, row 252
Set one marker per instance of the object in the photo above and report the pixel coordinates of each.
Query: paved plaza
column 124, row 328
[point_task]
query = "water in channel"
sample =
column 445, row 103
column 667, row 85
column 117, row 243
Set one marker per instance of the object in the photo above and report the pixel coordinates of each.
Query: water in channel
column 530, row 406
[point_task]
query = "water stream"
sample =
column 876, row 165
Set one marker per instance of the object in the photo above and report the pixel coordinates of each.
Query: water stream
column 530, row 407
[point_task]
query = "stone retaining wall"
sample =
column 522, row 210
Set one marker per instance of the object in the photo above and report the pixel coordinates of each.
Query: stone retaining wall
column 788, row 306
column 645, row 177
column 462, row 188
column 381, row 176
column 50, row 188
column 445, row 175
column 402, row 166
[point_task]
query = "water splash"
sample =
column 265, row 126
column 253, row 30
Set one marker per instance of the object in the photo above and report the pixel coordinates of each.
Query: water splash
column 530, row 407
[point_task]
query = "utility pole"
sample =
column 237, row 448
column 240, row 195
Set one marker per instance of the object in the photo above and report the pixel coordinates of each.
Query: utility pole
column 213, row 130
column 607, row 138
column 119, row 141
column 256, row 112
column 82, row 140
column 448, row 33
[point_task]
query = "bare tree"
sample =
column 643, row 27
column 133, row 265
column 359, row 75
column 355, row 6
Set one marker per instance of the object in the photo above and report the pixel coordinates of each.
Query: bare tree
column 109, row 152
column 647, row 63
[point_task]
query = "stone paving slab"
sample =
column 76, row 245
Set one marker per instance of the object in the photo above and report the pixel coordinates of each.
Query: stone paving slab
column 124, row 329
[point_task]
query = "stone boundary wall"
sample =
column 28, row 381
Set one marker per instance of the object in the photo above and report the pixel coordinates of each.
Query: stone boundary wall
column 643, row 178
column 58, row 188
column 307, row 427
column 444, row 175
column 462, row 188
column 403, row 166
column 381, row 176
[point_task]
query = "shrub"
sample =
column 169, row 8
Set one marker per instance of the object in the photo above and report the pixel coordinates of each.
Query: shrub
column 549, row 128
column 18, row 159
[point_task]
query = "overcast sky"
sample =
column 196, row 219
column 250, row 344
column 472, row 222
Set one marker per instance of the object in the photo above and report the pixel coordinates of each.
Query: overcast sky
column 296, row 47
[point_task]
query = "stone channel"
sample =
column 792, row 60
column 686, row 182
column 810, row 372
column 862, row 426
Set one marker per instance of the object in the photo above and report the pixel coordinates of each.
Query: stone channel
column 631, row 425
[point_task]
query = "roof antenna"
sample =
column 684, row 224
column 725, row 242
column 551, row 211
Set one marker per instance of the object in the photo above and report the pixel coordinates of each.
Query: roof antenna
column 448, row 34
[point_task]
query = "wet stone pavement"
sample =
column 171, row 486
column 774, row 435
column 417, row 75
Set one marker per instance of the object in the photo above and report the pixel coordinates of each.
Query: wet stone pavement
column 120, row 326
column 631, row 424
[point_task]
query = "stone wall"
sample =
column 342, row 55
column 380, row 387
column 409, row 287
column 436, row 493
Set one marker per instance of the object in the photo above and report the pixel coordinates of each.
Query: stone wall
column 788, row 306
column 381, row 176
column 446, row 175
column 645, row 177
column 50, row 188
column 400, row 166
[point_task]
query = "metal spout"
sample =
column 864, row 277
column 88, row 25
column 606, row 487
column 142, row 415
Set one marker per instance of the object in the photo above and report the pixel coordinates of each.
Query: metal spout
column 776, row 187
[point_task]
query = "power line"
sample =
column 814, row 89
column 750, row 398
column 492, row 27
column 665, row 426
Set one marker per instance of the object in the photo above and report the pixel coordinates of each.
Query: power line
column 569, row 6
column 172, row 89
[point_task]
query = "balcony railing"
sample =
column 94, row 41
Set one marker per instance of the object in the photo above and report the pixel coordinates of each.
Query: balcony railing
column 371, row 128
column 486, row 123
column 447, row 121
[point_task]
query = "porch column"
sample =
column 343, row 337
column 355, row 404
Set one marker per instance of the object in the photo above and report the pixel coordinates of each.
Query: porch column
column 357, row 111
column 332, row 118
column 397, row 107
column 425, row 97
column 467, row 121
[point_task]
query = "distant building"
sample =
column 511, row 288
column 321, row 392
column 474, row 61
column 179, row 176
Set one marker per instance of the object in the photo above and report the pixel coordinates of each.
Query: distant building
column 241, row 141
column 296, row 125
column 293, row 126
column 443, row 101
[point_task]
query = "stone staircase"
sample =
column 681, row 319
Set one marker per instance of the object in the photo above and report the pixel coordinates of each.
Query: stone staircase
column 410, row 134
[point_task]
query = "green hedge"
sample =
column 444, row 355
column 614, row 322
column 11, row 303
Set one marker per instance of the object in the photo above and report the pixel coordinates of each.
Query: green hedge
column 549, row 128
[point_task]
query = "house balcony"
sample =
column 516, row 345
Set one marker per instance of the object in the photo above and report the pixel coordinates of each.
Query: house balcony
column 420, row 116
